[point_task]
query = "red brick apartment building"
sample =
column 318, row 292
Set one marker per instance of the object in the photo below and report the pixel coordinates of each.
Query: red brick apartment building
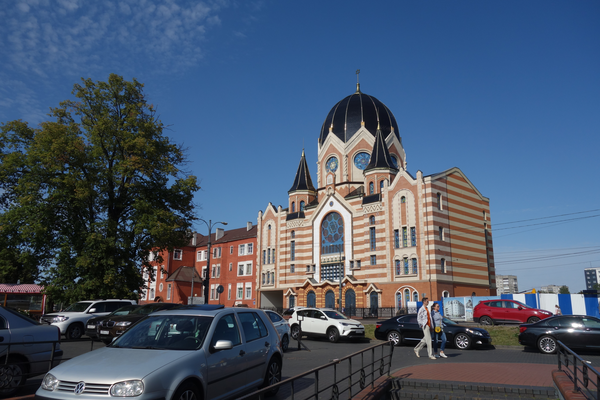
column 233, row 266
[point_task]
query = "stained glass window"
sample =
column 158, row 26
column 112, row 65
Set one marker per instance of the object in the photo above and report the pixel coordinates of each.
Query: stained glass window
column 396, row 238
column 332, row 164
column 414, row 266
column 405, row 265
column 332, row 234
column 398, row 267
column 361, row 160
column 413, row 236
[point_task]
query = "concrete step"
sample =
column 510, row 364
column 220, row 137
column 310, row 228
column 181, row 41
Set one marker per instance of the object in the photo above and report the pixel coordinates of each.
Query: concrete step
column 426, row 389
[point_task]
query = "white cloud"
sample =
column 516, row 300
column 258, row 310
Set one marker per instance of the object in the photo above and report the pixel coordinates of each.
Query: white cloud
column 55, row 39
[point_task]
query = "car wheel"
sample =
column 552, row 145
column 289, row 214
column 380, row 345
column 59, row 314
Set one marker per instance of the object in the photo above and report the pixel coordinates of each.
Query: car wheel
column 333, row 335
column 485, row 320
column 295, row 331
column 12, row 377
column 285, row 343
column 462, row 341
column 273, row 376
column 533, row 320
column 74, row 331
column 188, row 391
column 547, row 344
column 394, row 336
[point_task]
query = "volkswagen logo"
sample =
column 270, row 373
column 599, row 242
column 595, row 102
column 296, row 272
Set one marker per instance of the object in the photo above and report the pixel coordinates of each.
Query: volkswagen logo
column 79, row 388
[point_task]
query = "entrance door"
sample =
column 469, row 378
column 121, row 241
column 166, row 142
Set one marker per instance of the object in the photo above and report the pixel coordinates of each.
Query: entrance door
column 311, row 299
column 330, row 299
column 350, row 308
column 374, row 300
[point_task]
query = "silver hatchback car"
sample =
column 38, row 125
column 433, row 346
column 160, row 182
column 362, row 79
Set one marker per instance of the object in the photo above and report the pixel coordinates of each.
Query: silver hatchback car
column 196, row 352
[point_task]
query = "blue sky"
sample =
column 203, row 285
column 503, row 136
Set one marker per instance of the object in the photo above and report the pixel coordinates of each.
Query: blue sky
column 508, row 91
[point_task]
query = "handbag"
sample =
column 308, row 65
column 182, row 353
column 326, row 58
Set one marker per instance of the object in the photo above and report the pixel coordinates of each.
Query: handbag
column 438, row 329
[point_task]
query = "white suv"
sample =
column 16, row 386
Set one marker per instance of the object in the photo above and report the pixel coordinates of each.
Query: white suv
column 324, row 322
column 71, row 321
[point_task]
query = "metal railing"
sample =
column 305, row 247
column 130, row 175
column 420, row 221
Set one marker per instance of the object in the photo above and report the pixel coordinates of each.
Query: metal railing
column 585, row 378
column 339, row 379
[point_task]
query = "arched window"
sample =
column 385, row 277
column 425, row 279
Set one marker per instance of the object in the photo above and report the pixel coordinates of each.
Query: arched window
column 403, row 200
column 293, row 206
column 443, row 265
column 371, row 188
column 439, row 201
column 445, row 293
column 350, row 304
column 332, row 234
column 372, row 220
column 398, row 267
column 374, row 300
column 311, row 299
column 380, row 186
column 264, row 278
column 293, row 234
column 415, row 268
column 415, row 296
column 406, row 297
column 292, row 301
column 302, row 205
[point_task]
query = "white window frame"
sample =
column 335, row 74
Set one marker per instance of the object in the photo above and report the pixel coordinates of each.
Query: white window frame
column 169, row 288
column 242, row 250
column 248, row 290
column 249, row 248
column 229, row 291
column 246, row 268
column 178, row 254
column 240, row 287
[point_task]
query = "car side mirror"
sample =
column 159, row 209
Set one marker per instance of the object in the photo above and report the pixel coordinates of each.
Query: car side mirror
column 92, row 310
column 323, row 317
column 520, row 307
column 221, row 345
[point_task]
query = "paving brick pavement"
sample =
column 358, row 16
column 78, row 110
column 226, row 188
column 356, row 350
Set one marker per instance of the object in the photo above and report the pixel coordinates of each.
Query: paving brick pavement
column 517, row 374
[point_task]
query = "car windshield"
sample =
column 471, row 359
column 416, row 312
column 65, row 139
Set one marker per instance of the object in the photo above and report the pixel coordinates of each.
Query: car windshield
column 334, row 314
column 123, row 310
column 449, row 322
column 77, row 307
column 172, row 332
column 145, row 310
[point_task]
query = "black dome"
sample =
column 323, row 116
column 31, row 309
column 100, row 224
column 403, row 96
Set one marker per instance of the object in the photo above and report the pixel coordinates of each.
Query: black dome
column 347, row 115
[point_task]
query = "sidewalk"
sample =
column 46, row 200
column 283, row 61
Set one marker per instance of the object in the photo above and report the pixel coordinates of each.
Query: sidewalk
column 475, row 380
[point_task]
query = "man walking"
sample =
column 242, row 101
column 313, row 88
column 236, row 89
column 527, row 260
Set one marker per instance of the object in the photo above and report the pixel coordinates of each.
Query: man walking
column 425, row 322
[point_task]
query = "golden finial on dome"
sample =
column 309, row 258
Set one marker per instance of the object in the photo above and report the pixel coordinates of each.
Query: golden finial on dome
column 357, row 83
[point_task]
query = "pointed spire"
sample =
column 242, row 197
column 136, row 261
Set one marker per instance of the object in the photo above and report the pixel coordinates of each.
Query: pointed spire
column 302, row 180
column 357, row 82
column 380, row 157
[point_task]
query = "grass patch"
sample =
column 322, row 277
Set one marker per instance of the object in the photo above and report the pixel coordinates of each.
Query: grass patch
column 502, row 335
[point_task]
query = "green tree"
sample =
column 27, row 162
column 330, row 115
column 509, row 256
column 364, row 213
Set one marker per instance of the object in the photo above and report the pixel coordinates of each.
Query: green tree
column 85, row 197
column 564, row 290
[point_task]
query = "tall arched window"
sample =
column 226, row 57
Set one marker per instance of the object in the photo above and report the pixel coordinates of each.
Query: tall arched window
column 406, row 297
column 293, row 206
column 439, row 201
column 302, row 205
column 332, row 234
column 380, row 186
column 292, row 301
column 311, row 299
column 371, row 188
column 415, row 296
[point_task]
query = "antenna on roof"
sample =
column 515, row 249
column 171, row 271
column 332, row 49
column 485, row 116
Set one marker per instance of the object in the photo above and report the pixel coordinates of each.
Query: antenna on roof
column 357, row 82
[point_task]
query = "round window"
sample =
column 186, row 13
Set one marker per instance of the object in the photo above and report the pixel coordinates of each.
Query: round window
column 332, row 164
column 361, row 160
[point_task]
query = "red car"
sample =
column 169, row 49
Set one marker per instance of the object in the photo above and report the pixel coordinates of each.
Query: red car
column 490, row 312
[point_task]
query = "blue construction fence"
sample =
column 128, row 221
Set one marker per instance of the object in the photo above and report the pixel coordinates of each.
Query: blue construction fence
column 461, row 308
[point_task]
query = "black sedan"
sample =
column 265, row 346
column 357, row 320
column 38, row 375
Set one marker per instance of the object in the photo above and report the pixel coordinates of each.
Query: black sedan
column 575, row 331
column 405, row 329
column 93, row 324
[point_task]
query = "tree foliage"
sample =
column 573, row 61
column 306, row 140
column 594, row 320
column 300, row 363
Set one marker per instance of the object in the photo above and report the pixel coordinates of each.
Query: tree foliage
column 84, row 197
column 564, row 290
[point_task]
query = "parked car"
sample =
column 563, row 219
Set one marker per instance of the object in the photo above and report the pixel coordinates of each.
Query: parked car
column 92, row 327
column 405, row 329
column 324, row 322
column 490, row 312
column 192, row 352
column 283, row 328
column 19, row 337
column 575, row 331
column 72, row 320
column 114, row 326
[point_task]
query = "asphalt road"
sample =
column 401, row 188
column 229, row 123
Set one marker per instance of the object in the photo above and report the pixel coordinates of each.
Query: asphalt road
column 315, row 353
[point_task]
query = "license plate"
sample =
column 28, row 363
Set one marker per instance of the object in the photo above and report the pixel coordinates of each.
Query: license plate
column 91, row 326
column 104, row 332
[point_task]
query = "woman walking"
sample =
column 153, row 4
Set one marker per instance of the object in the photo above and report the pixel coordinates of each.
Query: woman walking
column 438, row 331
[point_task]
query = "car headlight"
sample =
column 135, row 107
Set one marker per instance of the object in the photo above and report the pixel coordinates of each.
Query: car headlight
column 60, row 318
column 344, row 324
column 123, row 323
column 50, row 382
column 127, row 389
column 477, row 333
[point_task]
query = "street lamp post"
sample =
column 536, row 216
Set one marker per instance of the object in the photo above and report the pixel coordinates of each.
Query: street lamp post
column 206, row 280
